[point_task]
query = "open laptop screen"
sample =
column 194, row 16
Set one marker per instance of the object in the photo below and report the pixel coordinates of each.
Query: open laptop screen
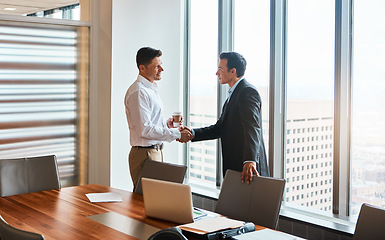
column 167, row 200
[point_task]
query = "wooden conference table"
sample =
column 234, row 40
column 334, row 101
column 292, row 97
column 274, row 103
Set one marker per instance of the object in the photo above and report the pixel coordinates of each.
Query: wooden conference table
column 68, row 214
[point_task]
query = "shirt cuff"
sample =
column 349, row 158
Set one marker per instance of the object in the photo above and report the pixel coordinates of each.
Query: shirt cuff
column 248, row 161
column 175, row 133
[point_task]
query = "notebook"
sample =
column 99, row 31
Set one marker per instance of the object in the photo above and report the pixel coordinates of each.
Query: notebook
column 167, row 201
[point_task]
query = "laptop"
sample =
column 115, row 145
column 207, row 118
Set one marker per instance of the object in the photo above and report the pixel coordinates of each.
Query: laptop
column 167, row 201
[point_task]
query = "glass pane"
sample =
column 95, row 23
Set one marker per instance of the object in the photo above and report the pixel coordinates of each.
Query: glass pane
column 51, row 9
column 368, row 113
column 203, row 85
column 71, row 12
column 38, row 95
column 252, row 28
column 310, row 93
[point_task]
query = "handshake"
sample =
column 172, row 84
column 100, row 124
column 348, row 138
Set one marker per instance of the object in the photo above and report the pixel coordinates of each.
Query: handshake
column 185, row 134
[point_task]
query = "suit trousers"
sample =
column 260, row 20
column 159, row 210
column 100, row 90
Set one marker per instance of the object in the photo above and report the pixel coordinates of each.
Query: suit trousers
column 137, row 157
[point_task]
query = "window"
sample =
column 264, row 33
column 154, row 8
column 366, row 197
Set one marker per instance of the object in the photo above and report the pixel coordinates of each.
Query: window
column 368, row 127
column 209, row 169
column 193, row 166
column 197, row 150
column 203, row 64
column 310, row 70
column 195, row 158
column 67, row 12
column 307, row 59
column 252, row 28
column 41, row 111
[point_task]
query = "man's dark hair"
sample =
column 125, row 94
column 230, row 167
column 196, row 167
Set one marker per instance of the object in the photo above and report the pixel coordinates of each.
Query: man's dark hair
column 145, row 55
column 234, row 60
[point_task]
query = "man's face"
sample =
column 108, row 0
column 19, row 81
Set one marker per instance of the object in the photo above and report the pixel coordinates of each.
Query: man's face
column 224, row 75
column 152, row 72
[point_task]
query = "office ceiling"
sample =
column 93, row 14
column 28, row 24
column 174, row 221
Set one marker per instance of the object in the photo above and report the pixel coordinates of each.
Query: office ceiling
column 31, row 6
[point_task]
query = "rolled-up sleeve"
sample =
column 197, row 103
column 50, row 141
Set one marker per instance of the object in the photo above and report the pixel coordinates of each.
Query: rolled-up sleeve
column 140, row 106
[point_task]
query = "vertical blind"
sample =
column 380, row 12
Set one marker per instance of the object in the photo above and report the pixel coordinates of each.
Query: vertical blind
column 38, row 95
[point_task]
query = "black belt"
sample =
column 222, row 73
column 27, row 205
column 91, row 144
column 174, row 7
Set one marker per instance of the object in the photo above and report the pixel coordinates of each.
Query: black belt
column 156, row 146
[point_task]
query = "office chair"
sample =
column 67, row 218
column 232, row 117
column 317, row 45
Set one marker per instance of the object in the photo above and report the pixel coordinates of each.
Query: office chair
column 160, row 171
column 370, row 223
column 7, row 232
column 258, row 202
column 24, row 175
column 173, row 233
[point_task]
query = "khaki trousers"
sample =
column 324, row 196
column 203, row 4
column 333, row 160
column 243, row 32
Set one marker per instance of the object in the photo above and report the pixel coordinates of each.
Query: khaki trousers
column 137, row 157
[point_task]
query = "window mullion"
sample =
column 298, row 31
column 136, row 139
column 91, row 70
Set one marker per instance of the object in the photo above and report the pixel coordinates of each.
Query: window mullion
column 225, row 43
column 341, row 165
column 277, row 87
column 186, row 76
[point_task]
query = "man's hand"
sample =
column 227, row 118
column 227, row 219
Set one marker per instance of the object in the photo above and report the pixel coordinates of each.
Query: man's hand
column 186, row 134
column 170, row 122
column 248, row 169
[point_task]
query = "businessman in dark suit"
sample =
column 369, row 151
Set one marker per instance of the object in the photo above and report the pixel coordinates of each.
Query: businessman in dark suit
column 240, row 124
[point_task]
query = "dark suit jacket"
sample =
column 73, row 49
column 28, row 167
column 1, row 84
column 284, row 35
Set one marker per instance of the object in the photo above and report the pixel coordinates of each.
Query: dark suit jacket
column 240, row 130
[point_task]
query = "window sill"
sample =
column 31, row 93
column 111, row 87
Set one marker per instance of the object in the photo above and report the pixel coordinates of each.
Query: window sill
column 204, row 190
column 318, row 218
column 290, row 211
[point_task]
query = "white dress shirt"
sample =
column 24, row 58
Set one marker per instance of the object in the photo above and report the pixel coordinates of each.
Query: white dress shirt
column 231, row 90
column 145, row 115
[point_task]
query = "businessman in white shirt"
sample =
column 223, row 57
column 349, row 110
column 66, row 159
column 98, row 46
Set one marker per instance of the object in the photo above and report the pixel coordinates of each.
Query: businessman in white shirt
column 144, row 112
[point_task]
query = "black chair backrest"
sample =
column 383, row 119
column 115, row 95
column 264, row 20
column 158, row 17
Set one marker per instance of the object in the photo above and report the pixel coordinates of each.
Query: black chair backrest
column 370, row 223
column 168, row 234
column 258, row 202
column 7, row 232
column 160, row 171
column 24, row 175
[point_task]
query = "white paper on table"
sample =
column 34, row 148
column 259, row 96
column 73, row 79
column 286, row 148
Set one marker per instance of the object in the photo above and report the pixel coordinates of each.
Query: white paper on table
column 104, row 197
column 266, row 234
column 213, row 224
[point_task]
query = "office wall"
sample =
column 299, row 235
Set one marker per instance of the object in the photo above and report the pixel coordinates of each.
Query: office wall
column 136, row 24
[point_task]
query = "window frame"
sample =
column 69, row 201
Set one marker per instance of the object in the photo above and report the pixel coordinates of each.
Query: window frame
column 277, row 93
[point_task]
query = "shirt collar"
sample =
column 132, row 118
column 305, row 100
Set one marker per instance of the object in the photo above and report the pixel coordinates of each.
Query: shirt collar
column 146, row 82
column 231, row 90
